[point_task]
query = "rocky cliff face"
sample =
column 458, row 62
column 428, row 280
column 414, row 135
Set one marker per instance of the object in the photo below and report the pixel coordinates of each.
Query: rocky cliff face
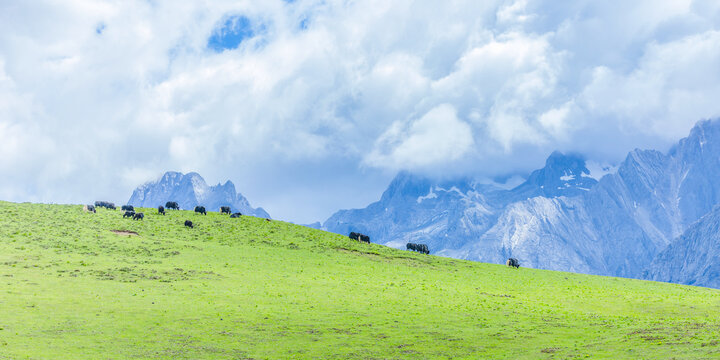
column 190, row 190
column 561, row 218
column 694, row 257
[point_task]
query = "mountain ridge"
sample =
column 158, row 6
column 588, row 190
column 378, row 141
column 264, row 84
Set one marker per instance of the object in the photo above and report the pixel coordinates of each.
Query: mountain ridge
column 190, row 190
column 560, row 217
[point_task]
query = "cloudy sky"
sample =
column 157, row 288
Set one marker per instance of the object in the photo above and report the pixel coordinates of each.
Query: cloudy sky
column 310, row 106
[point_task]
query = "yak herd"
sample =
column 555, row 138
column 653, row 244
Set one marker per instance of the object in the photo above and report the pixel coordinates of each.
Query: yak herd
column 421, row 248
column 129, row 210
column 172, row 205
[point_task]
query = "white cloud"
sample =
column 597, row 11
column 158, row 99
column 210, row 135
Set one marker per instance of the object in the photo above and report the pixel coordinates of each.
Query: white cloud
column 515, row 12
column 124, row 90
column 674, row 85
column 434, row 139
column 554, row 121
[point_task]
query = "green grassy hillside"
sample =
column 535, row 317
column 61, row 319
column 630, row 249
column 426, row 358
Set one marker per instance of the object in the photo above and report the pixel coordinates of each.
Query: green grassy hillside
column 71, row 288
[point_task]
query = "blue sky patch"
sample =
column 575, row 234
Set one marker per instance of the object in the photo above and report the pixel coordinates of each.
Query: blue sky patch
column 233, row 31
column 100, row 28
column 304, row 22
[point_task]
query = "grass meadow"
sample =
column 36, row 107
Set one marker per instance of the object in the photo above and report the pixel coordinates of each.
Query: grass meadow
column 72, row 288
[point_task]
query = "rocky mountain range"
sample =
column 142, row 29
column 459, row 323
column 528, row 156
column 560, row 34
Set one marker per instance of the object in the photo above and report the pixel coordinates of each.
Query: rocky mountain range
column 692, row 257
column 190, row 190
column 563, row 217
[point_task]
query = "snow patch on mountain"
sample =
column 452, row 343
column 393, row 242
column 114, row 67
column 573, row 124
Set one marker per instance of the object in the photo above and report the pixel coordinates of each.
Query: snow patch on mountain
column 430, row 195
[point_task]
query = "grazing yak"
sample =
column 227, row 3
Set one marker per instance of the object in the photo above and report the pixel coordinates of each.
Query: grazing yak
column 236, row 215
column 225, row 210
column 172, row 205
column 127, row 208
column 421, row 248
column 138, row 216
column 161, row 210
column 360, row 237
column 201, row 210
column 513, row 262
column 129, row 214
column 89, row 208
column 188, row 223
column 424, row 249
column 105, row 204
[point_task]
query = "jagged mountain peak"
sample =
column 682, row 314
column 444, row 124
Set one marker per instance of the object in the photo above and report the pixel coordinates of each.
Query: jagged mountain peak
column 568, row 165
column 170, row 177
column 703, row 141
column 704, row 130
column 563, row 175
column 557, row 158
column 190, row 190
column 643, row 163
column 407, row 185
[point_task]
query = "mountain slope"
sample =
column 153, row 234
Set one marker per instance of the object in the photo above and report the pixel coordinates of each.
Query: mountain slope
column 73, row 287
column 694, row 257
column 190, row 190
column 561, row 217
column 414, row 209
column 470, row 220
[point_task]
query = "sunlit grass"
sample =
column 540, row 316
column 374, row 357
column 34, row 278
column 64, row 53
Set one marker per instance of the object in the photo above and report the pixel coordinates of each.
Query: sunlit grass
column 251, row 288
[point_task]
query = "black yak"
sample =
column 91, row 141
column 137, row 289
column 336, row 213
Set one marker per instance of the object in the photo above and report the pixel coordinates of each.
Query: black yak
column 89, row 208
column 138, row 216
column 188, row 223
column 201, row 210
column 421, row 248
column 105, row 204
column 172, row 205
column 225, row 210
column 358, row 236
column 513, row 262
column 236, row 215
column 127, row 208
column 161, row 210
column 129, row 214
